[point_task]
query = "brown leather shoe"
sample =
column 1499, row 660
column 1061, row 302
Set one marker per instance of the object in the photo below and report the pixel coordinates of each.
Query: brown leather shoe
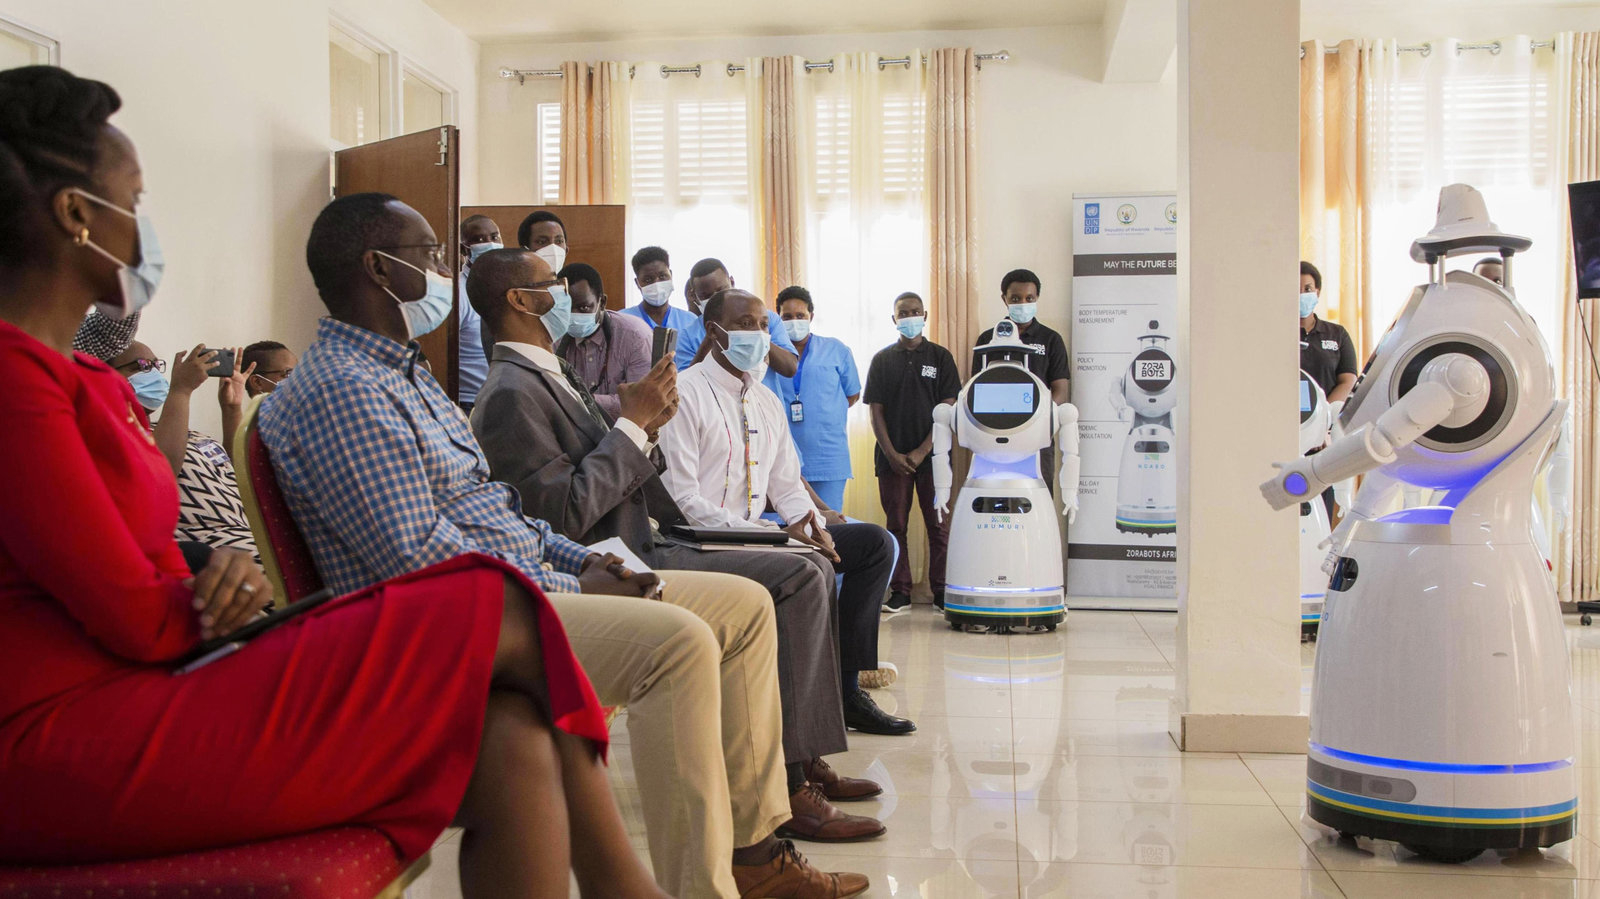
column 790, row 876
column 838, row 788
column 815, row 819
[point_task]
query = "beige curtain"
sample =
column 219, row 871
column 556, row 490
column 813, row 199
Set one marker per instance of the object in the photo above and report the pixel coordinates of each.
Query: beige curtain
column 955, row 320
column 1333, row 159
column 594, row 132
column 779, row 136
column 1577, row 550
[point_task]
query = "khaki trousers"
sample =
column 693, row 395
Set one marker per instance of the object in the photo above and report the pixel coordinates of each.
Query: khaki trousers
column 699, row 676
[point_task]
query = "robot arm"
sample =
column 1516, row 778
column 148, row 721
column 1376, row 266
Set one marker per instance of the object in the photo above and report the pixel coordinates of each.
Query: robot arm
column 1067, row 442
column 1559, row 482
column 1452, row 387
column 1119, row 402
column 943, row 435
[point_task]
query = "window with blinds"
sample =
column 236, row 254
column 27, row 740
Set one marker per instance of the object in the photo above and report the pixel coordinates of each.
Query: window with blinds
column 900, row 147
column 547, row 153
column 688, row 151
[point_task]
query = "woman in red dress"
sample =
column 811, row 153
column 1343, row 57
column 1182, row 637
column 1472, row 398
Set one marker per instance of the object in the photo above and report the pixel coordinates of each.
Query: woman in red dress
column 342, row 716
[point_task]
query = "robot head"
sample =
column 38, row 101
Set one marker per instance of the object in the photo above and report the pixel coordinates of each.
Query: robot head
column 1004, row 346
column 1315, row 414
column 1151, row 375
column 1463, row 226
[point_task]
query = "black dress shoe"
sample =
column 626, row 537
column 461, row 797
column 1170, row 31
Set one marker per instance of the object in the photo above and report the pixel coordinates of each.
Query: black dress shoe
column 862, row 714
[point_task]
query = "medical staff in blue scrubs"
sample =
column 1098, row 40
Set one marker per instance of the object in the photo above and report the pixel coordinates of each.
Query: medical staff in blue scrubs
column 652, row 274
column 706, row 278
column 817, row 399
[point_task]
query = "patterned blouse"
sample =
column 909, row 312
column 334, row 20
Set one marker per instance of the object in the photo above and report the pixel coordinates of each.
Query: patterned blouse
column 209, row 508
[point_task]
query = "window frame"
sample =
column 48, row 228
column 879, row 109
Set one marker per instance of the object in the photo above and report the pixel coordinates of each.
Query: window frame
column 42, row 39
column 393, row 67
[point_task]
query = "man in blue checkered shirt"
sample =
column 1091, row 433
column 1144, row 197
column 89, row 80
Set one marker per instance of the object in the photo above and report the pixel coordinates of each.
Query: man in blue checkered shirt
column 383, row 477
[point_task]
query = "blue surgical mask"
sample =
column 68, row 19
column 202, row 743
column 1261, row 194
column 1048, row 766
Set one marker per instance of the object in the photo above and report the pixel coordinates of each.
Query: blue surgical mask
column 1022, row 313
column 911, row 328
column 799, row 328
column 151, row 389
column 746, row 350
column 478, row 249
column 657, row 293
column 1308, row 303
column 583, row 324
column 137, row 284
column 430, row 310
column 558, row 318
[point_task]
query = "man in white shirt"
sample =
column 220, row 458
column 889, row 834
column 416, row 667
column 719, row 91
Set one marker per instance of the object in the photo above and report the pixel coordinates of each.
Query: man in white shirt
column 729, row 453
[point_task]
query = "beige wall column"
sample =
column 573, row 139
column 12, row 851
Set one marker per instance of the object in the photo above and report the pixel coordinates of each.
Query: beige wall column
column 1238, row 189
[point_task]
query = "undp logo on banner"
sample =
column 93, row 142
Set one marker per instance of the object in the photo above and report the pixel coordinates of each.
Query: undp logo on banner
column 1091, row 218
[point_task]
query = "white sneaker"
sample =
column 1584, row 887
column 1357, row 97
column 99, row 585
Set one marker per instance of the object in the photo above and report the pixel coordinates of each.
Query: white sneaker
column 886, row 674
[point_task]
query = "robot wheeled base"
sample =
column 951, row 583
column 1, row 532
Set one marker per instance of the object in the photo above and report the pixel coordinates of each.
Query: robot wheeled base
column 1451, row 845
column 1038, row 624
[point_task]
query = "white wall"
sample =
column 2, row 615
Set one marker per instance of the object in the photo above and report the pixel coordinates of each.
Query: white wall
column 228, row 105
column 1049, row 129
column 1335, row 20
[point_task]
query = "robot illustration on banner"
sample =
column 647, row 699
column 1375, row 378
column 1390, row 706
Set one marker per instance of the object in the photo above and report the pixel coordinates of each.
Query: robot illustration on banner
column 1005, row 567
column 1441, row 698
column 1147, row 481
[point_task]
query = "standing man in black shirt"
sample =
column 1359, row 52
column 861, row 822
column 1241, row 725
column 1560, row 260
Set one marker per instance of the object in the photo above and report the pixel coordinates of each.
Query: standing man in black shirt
column 905, row 381
column 1327, row 353
column 1019, row 289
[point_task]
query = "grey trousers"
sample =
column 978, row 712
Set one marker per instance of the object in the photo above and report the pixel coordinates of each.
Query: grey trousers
column 808, row 637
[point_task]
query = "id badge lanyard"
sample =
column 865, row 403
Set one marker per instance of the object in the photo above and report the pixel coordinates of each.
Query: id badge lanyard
column 797, row 412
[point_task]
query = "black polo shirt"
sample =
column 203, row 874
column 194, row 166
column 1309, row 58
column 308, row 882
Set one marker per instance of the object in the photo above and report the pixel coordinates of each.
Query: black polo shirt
column 1326, row 352
column 908, row 383
column 1049, row 357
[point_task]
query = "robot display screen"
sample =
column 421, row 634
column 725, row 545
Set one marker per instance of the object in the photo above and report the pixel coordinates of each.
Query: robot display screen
column 1305, row 396
column 1002, row 399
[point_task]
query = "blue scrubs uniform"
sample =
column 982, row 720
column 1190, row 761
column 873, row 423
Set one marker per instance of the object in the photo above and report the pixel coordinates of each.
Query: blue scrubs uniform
column 822, row 387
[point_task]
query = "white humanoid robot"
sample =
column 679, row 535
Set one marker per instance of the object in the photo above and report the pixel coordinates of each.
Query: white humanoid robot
column 1441, row 699
column 1147, row 481
column 1005, row 565
column 1316, row 416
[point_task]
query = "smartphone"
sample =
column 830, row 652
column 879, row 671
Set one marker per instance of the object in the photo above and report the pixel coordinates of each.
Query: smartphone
column 222, row 366
column 664, row 342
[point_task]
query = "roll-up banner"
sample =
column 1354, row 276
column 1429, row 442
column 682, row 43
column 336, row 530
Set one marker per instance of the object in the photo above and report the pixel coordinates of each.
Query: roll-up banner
column 1122, row 550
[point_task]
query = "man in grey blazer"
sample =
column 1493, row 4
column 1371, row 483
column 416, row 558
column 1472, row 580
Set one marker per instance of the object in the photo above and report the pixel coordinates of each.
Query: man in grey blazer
column 594, row 477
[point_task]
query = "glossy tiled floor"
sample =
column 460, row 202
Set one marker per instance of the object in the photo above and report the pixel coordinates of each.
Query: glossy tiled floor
column 1042, row 767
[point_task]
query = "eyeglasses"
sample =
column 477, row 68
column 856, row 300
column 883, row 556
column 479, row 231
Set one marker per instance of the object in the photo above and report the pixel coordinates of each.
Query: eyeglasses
column 436, row 253
column 281, row 374
column 143, row 365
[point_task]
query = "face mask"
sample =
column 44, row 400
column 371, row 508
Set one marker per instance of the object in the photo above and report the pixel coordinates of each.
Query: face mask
column 430, row 310
column 799, row 328
column 1022, row 313
column 1308, row 303
column 657, row 293
column 583, row 324
column 911, row 328
column 558, row 318
column 150, row 387
column 478, row 249
column 555, row 254
column 136, row 284
column 747, row 350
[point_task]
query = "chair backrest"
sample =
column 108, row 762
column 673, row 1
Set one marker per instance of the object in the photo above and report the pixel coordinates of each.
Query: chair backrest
column 284, row 554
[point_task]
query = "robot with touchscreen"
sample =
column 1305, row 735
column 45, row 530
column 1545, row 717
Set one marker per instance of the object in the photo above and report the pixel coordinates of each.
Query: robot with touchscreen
column 1441, row 705
column 1316, row 416
column 1005, row 566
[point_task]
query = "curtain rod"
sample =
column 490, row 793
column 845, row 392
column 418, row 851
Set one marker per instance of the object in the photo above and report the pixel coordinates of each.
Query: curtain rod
column 1426, row 49
column 734, row 68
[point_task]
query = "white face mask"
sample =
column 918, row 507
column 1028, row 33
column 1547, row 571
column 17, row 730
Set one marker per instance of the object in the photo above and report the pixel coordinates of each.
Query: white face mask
column 657, row 293
column 555, row 254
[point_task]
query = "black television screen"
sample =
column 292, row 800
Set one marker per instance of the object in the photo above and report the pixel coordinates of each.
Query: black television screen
column 1585, row 207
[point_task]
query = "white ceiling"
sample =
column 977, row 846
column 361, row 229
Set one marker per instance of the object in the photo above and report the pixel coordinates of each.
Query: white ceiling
column 506, row 20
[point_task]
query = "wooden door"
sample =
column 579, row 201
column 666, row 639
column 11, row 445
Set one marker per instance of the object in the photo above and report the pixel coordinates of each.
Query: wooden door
column 424, row 171
column 597, row 235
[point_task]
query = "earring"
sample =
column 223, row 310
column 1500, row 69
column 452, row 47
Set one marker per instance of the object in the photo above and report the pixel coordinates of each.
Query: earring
column 81, row 239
